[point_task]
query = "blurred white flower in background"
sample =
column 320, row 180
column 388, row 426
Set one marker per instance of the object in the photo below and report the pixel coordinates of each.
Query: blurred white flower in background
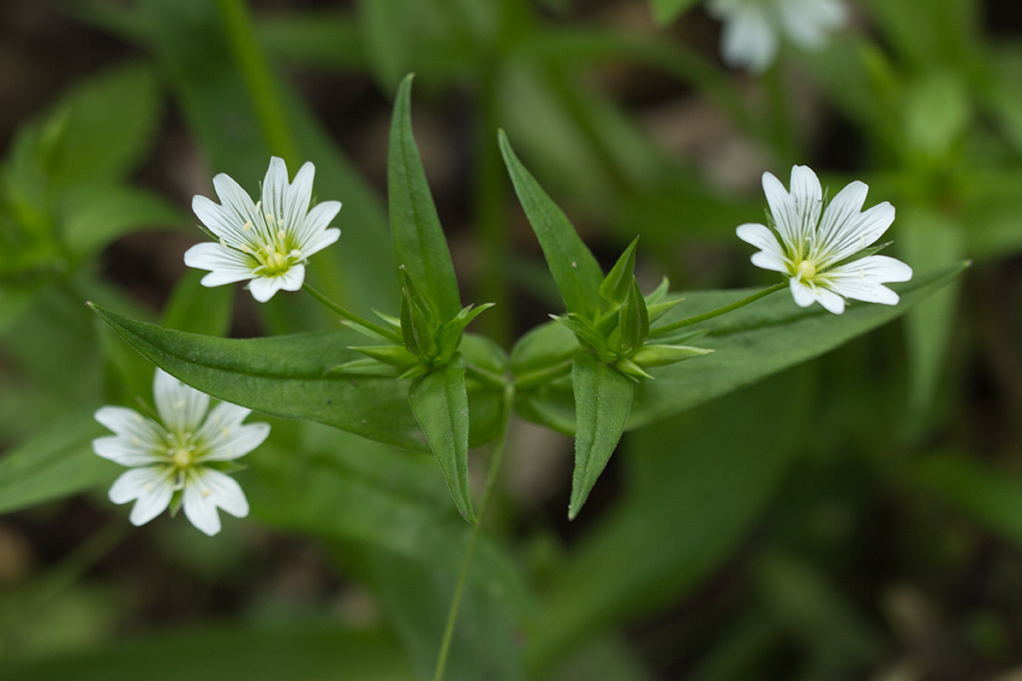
column 265, row 243
column 753, row 28
column 814, row 252
column 176, row 461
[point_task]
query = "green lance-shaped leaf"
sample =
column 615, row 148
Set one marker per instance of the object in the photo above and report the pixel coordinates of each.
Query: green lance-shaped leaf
column 576, row 272
column 603, row 398
column 419, row 242
column 440, row 405
column 415, row 327
column 615, row 286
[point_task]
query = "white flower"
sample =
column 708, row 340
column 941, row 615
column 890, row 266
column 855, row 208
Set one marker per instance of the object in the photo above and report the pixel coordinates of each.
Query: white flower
column 266, row 242
column 809, row 251
column 179, row 456
column 752, row 28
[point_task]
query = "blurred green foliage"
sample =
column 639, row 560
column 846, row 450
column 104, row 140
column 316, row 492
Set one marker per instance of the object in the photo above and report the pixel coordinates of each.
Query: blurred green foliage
column 859, row 516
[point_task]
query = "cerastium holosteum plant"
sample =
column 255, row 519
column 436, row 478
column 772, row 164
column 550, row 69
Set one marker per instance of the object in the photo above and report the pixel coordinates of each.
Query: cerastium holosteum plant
column 611, row 362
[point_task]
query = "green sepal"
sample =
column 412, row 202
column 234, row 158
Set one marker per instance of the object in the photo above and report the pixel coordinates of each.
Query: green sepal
column 631, row 370
column 633, row 318
column 394, row 355
column 420, row 369
column 365, row 367
column 388, row 319
column 449, row 337
column 176, row 500
column 416, row 330
column 663, row 355
column 659, row 293
column 603, row 398
column 586, row 334
column 425, row 303
column 439, row 401
column 658, row 310
column 615, row 285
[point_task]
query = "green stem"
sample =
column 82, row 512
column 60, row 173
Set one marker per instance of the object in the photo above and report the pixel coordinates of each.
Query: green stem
column 660, row 331
column 258, row 79
column 546, row 374
column 485, row 376
column 389, row 334
column 491, row 483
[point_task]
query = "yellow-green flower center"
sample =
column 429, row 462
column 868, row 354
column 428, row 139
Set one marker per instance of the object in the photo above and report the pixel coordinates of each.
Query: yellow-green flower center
column 806, row 270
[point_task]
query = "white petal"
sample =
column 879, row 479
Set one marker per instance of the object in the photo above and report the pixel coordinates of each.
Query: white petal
column 223, row 415
column 300, row 195
column 263, row 288
column 200, row 509
column 806, row 203
column 223, row 223
column 770, row 256
column 841, row 214
column 807, row 22
column 310, row 235
column 863, row 279
column 152, row 486
column 830, row 300
column 225, row 491
column 241, row 441
column 275, row 188
column 237, row 204
column 123, row 451
column 863, row 231
column 293, row 278
column 130, row 424
column 782, row 210
column 181, row 407
column 749, row 40
column 803, row 295
column 226, row 265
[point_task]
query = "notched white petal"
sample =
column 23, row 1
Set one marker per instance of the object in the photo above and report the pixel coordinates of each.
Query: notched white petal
column 181, row 407
column 199, row 506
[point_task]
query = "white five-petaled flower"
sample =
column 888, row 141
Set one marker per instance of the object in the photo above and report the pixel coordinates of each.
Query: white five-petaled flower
column 752, row 28
column 813, row 252
column 265, row 243
column 179, row 456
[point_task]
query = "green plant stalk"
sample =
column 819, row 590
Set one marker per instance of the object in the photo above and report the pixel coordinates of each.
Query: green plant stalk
column 660, row 331
column 389, row 334
column 258, row 79
column 466, row 563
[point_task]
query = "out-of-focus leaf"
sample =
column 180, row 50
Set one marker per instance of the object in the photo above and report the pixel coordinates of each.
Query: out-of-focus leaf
column 293, row 377
column 929, row 240
column 13, row 301
column 109, row 126
column 666, row 11
column 326, row 39
column 937, row 112
column 799, row 597
column 607, row 659
column 750, row 343
column 946, row 34
column 698, row 485
column 440, row 404
column 602, row 400
column 389, row 35
column 94, row 216
column 575, row 270
column 485, row 643
column 988, row 496
column 54, row 464
column 302, row 653
column 199, row 309
column 419, row 241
